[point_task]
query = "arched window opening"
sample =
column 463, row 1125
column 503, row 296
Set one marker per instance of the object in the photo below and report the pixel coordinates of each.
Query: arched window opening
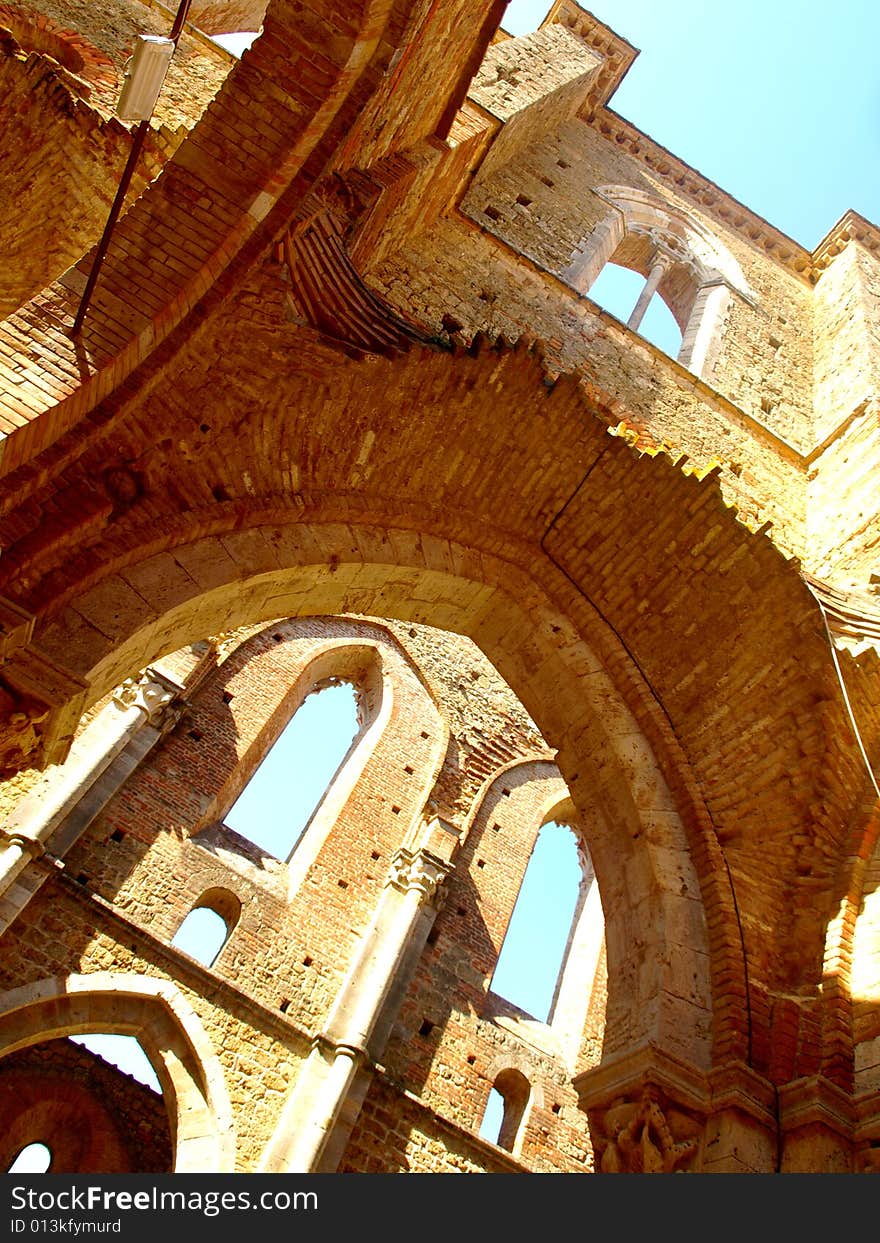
column 207, row 927
column 505, row 1109
column 677, row 261
column 538, row 934
column 633, row 298
column 123, row 1052
column 276, row 806
column 33, row 1159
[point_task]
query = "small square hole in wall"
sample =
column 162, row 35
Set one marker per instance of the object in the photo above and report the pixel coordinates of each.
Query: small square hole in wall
column 343, row 884
column 425, row 734
column 285, row 1005
column 450, row 324
column 562, row 164
column 492, row 212
column 555, row 1108
column 408, row 769
column 496, row 828
column 307, row 961
column 82, row 878
column 547, row 181
column 196, row 735
column 481, row 863
column 228, row 697
column 459, row 910
column 523, row 200
column 374, row 854
column 471, row 1059
column 426, row 1028
column 396, row 811
column 117, row 835
column 276, row 638
column 506, row 793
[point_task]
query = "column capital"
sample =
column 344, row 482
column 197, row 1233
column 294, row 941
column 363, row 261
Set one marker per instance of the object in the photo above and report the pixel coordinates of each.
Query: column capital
column 419, row 871
column 651, row 1113
column 153, row 694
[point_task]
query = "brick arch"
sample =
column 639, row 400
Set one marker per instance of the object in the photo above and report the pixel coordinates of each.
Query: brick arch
column 602, row 753
column 156, row 1014
column 218, row 203
column 82, row 1130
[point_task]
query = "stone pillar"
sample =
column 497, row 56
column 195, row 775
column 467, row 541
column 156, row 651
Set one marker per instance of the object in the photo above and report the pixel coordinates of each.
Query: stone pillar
column 326, row 1092
column 53, row 815
column 651, row 1114
column 655, row 276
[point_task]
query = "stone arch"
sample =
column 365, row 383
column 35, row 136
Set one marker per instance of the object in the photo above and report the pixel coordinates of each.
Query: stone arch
column 516, row 1083
column 603, row 754
column 157, row 1015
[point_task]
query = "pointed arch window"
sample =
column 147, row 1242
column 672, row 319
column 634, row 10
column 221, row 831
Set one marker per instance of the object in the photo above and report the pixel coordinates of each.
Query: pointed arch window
column 539, row 932
column 281, row 798
column 674, row 258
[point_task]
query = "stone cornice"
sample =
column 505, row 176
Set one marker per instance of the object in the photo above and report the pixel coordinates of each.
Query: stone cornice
column 684, row 179
column 617, row 54
column 851, row 227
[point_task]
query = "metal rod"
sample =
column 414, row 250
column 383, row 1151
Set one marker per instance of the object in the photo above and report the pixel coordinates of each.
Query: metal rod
column 137, row 145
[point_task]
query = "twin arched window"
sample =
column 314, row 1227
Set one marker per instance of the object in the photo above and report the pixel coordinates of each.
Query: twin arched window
column 680, row 260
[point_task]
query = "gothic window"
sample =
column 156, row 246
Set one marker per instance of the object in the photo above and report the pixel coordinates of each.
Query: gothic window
column 531, row 957
column 506, row 1109
column 207, row 927
column 279, row 802
column 33, row 1159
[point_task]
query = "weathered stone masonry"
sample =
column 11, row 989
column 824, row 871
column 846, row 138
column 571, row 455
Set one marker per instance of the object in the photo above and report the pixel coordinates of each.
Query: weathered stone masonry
column 342, row 408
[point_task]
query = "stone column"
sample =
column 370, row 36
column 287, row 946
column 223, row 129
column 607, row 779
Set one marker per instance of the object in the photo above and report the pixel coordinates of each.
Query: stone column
column 53, row 815
column 326, row 1092
column 655, row 276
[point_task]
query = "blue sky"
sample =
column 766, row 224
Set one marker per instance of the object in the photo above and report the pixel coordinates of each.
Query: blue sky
column 777, row 101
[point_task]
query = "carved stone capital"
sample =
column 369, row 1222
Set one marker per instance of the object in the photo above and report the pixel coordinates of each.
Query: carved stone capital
column 40, row 704
column 419, row 871
column 152, row 694
column 651, row 1113
column 646, row 1134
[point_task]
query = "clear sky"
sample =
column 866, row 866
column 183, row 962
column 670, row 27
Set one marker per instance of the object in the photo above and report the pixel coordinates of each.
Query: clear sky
column 777, row 101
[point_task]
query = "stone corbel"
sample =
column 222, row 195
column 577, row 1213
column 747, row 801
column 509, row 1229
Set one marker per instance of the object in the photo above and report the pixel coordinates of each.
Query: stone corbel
column 651, row 1114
